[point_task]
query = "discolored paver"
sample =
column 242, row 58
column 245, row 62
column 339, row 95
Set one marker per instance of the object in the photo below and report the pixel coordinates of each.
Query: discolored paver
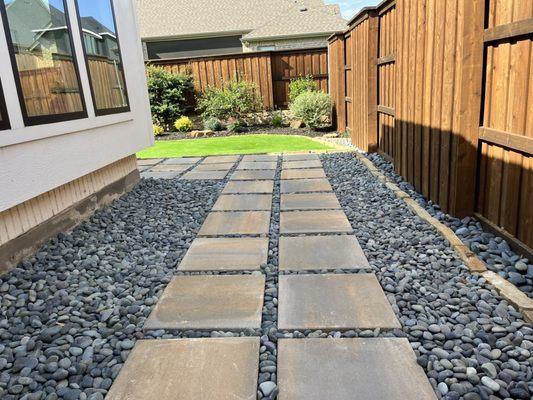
column 209, row 302
column 243, row 202
column 321, row 252
column 314, row 222
column 300, row 157
column 253, row 175
column 333, row 301
column 256, row 165
column 185, row 369
column 309, row 201
column 182, row 160
column 301, row 164
column 350, row 368
column 236, row 223
column 170, row 168
column 305, row 186
column 303, row 173
column 233, row 187
column 225, row 254
column 259, row 157
column 220, row 159
column 159, row 175
column 149, row 161
column 214, row 167
column 208, row 175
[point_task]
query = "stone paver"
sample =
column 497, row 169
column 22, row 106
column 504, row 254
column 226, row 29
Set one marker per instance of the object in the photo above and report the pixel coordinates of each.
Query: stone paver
column 305, row 186
column 259, row 158
column 149, row 161
column 333, row 301
column 236, row 223
column 209, row 302
column 301, row 164
column 309, row 201
column 214, row 167
column 300, row 157
column 159, row 175
column 225, row 254
column 208, row 175
column 303, row 173
column 256, row 165
column 234, row 187
column 170, row 168
column 348, row 369
column 321, row 252
column 244, row 202
column 185, row 369
column 314, row 222
column 220, row 159
column 253, row 175
column 182, row 160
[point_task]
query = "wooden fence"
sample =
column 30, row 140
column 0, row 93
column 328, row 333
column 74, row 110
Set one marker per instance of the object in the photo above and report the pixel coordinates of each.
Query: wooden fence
column 271, row 72
column 444, row 89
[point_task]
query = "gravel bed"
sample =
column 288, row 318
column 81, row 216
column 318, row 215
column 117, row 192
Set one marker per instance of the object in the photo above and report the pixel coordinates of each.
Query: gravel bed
column 471, row 343
column 492, row 249
column 70, row 315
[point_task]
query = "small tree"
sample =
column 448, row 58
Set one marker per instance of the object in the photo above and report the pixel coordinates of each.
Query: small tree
column 300, row 85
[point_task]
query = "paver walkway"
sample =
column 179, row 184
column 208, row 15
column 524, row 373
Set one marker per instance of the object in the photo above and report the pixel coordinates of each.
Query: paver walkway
column 324, row 283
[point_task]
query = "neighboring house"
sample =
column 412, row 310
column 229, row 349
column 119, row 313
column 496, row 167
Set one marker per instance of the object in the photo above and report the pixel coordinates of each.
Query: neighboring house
column 73, row 113
column 185, row 28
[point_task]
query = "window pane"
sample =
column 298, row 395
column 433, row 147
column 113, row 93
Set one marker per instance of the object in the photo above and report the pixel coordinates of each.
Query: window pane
column 103, row 55
column 46, row 67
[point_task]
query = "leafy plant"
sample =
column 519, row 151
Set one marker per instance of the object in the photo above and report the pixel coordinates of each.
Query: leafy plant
column 213, row 124
column 183, row 124
column 170, row 95
column 235, row 126
column 300, row 85
column 157, row 129
column 313, row 108
column 235, row 98
column 277, row 120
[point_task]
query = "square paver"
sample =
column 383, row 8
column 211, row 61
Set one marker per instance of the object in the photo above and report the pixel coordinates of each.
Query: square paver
column 236, row 223
column 301, row 164
column 220, row 159
column 305, row 186
column 321, row 252
column 310, row 173
column 225, row 254
column 243, row 202
column 182, row 160
column 149, row 161
column 170, row 168
column 207, row 175
column 300, row 157
column 314, row 222
column 253, row 175
column 350, row 368
column 333, row 301
column 309, row 201
column 159, row 175
column 233, row 187
column 185, row 369
column 260, row 157
column 257, row 165
column 214, row 167
column 209, row 302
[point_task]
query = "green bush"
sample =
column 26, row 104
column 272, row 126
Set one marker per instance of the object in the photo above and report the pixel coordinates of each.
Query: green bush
column 313, row 108
column 170, row 95
column 157, row 129
column 236, row 126
column 213, row 124
column 183, row 124
column 277, row 120
column 300, row 85
column 234, row 99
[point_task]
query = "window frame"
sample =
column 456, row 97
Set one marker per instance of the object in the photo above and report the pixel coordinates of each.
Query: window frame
column 105, row 111
column 4, row 123
column 51, row 118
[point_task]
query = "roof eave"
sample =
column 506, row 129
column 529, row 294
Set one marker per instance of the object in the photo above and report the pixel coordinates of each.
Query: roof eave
column 292, row 36
column 202, row 35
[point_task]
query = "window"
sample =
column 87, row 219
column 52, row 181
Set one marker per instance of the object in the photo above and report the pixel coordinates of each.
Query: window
column 4, row 121
column 266, row 48
column 102, row 55
column 41, row 50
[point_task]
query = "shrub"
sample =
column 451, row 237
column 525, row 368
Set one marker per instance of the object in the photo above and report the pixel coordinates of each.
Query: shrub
column 235, row 99
column 213, row 124
column 169, row 95
column 183, row 124
column 313, row 108
column 157, row 129
column 277, row 120
column 235, row 126
column 300, row 85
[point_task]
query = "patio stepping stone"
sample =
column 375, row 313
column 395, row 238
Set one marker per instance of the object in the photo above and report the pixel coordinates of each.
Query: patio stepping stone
column 303, row 173
column 309, row 201
column 185, row 369
column 236, row 223
column 259, row 157
column 159, row 175
column 300, row 157
column 350, row 368
column 257, row 165
column 243, row 202
column 225, row 254
column 328, row 221
column 236, row 187
column 333, row 301
column 220, row 159
column 214, row 167
column 182, row 160
column 170, row 168
column 207, row 175
column 305, row 186
column 209, row 302
column 301, row 253
column 148, row 161
column 252, row 175
column 301, row 164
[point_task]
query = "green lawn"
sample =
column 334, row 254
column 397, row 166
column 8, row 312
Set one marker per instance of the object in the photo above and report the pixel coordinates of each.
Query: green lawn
column 244, row 144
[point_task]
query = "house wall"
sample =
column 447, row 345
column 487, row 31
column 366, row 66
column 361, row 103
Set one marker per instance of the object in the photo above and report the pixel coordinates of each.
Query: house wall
column 166, row 49
column 287, row 44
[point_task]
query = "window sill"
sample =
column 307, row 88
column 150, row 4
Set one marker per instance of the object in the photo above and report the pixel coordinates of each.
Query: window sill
column 39, row 132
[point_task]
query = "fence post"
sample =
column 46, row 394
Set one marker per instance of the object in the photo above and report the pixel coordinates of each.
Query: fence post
column 372, row 124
